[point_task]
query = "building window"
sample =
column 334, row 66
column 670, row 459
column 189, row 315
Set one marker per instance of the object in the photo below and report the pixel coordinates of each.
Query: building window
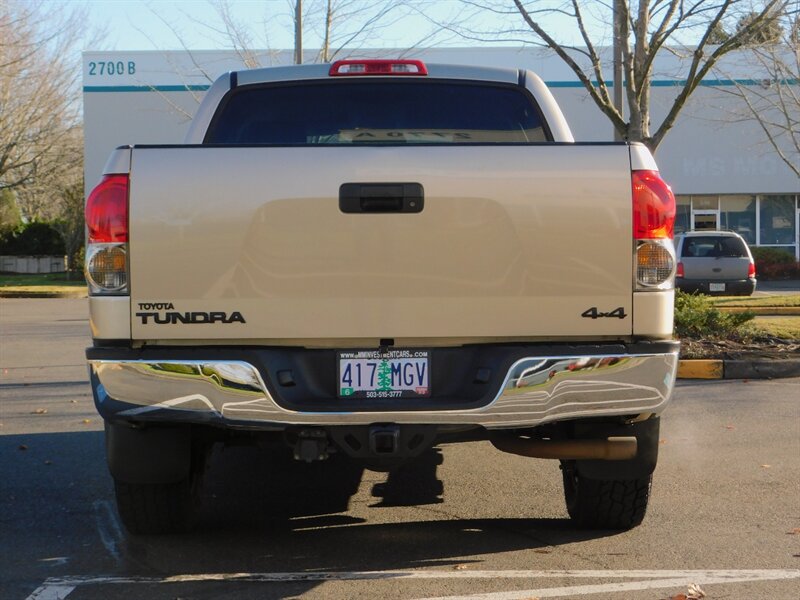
column 705, row 202
column 738, row 213
column 777, row 220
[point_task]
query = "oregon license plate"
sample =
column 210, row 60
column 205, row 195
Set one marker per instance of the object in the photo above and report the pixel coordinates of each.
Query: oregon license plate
column 384, row 374
column 716, row 287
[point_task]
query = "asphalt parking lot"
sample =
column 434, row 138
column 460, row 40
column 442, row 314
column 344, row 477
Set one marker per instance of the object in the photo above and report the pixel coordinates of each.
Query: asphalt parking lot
column 465, row 521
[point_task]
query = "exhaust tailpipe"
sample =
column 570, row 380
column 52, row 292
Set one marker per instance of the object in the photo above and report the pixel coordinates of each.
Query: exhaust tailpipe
column 612, row 448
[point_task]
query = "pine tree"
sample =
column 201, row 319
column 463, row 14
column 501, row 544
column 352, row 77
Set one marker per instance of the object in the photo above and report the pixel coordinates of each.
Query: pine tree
column 384, row 376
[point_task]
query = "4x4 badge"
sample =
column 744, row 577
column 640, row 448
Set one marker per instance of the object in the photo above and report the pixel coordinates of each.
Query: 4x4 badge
column 593, row 313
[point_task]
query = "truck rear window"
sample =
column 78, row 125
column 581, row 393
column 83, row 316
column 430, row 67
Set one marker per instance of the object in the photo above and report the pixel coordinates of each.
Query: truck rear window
column 377, row 112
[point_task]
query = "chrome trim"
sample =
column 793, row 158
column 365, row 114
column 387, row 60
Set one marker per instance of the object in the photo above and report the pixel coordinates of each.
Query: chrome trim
column 536, row 390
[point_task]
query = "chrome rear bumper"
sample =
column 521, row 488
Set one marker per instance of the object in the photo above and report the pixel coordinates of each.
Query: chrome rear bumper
column 535, row 390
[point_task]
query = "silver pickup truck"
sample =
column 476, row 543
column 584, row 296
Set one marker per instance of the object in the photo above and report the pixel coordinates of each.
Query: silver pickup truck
column 372, row 258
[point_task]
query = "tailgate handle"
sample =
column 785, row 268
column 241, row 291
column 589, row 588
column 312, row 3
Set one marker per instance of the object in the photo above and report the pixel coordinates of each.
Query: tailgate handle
column 370, row 198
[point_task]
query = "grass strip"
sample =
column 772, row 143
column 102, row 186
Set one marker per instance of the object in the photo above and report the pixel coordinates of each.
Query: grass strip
column 26, row 281
column 762, row 301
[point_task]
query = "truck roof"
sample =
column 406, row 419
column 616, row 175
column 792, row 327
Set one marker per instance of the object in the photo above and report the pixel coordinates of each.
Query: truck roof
column 321, row 71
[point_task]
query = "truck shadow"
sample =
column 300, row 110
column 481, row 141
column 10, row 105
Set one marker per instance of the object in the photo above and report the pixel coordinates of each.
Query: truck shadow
column 263, row 513
column 262, row 502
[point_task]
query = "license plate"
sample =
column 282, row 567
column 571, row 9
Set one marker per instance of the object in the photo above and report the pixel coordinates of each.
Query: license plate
column 387, row 374
column 716, row 287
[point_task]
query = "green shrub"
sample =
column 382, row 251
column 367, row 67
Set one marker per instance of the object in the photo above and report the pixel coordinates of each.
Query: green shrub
column 775, row 263
column 32, row 239
column 697, row 317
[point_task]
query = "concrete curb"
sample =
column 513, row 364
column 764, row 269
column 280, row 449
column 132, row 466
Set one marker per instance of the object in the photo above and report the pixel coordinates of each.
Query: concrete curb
column 777, row 368
column 77, row 293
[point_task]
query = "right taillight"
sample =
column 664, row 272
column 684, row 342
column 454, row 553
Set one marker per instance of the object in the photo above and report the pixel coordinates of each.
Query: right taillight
column 679, row 270
column 653, row 224
column 653, row 206
column 107, row 236
column 751, row 270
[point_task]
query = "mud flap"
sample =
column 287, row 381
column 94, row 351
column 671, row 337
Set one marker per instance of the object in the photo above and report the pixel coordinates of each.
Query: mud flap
column 148, row 455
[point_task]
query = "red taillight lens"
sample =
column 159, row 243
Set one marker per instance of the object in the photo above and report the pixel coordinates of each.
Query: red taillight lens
column 751, row 271
column 377, row 67
column 107, row 210
column 653, row 206
column 679, row 270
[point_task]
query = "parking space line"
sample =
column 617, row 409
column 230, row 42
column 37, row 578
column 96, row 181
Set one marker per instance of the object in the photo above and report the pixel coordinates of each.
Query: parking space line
column 108, row 527
column 607, row 588
column 58, row 588
column 48, row 591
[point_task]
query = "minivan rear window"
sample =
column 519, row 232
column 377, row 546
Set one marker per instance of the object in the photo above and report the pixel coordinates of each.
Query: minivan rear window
column 377, row 112
column 713, row 247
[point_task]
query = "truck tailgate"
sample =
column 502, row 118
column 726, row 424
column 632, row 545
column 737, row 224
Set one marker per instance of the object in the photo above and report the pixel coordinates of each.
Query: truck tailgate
column 233, row 243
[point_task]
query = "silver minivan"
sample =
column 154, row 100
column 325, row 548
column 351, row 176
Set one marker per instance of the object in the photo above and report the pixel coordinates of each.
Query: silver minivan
column 714, row 262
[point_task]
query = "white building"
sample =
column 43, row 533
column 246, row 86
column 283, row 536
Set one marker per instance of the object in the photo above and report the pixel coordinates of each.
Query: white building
column 724, row 173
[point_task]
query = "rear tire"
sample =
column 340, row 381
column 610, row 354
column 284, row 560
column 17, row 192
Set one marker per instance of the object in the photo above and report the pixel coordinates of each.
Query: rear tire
column 155, row 508
column 605, row 503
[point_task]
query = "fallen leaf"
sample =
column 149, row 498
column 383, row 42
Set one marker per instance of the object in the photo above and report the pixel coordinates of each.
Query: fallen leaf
column 460, row 567
column 678, row 597
column 795, row 531
column 766, row 466
column 541, row 551
column 662, row 441
column 87, row 421
column 39, row 411
column 73, row 401
column 695, row 592
column 730, row 427
column 23, row 447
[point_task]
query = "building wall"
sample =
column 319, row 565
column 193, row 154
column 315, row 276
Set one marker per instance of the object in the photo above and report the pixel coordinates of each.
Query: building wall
column 148, row 97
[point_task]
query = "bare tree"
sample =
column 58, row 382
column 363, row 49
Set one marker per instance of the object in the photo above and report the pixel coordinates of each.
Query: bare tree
column 336, row 27
column 774, row 103
column 351, row 24
column 70, row 224
column 39, row 94
column 647, row 28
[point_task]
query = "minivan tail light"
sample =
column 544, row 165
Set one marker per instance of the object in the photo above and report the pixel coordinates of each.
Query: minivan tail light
column 377, row 67
column 751, row 270
column 679, row 270
column 107, row 210
column 107, row 236
column 653, row 206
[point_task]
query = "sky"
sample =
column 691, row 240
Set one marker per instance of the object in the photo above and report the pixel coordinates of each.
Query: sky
column 195, row 24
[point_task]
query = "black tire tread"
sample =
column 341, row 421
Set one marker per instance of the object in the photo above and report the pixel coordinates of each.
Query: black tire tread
column 607, row 504
column 154, row 508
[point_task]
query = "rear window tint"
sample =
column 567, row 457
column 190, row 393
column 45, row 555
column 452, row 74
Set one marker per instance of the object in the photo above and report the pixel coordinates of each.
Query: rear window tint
column 713, row 247
column 377, row 112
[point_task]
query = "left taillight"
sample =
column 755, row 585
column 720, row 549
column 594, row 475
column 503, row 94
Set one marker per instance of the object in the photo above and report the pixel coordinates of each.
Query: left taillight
column 653, row 225
column 107, row 236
